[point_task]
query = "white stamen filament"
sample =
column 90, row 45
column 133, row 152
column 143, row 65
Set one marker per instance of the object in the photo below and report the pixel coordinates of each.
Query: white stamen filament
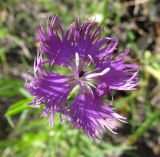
column 91, row 58
column 89, row 63
column 89, row 72
column 105, row 71
column 92, row 85
column 89, row 88
column 77, row 60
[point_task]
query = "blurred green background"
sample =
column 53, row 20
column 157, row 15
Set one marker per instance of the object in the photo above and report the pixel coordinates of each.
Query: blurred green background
column 24, row 134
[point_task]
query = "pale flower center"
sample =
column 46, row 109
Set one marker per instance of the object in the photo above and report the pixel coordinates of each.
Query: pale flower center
column 82, row 75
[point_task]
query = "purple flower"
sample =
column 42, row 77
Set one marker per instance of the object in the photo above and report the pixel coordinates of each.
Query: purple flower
column 95, row 69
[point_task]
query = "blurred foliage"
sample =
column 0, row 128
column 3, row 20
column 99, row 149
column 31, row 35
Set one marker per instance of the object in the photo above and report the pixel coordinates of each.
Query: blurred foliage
column 24, row 134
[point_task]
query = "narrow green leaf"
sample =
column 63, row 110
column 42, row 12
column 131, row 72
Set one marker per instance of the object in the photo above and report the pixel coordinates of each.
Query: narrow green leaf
column 18, row 107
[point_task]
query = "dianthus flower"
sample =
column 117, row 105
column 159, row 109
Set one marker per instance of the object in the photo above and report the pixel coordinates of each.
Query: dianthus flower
column 95, row 69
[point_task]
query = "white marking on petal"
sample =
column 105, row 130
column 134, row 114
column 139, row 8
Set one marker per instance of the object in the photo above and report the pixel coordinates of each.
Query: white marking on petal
column 105, row 71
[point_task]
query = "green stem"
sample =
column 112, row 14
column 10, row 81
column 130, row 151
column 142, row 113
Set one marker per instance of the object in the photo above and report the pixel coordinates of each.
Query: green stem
column 142, row 129
column 104, row 11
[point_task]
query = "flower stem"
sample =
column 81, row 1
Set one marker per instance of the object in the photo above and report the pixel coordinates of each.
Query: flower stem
column 142, row 129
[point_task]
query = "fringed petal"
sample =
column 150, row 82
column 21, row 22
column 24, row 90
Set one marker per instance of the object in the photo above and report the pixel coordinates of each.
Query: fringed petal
column 88, row 113
column 122, row 75
column 49, row 89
